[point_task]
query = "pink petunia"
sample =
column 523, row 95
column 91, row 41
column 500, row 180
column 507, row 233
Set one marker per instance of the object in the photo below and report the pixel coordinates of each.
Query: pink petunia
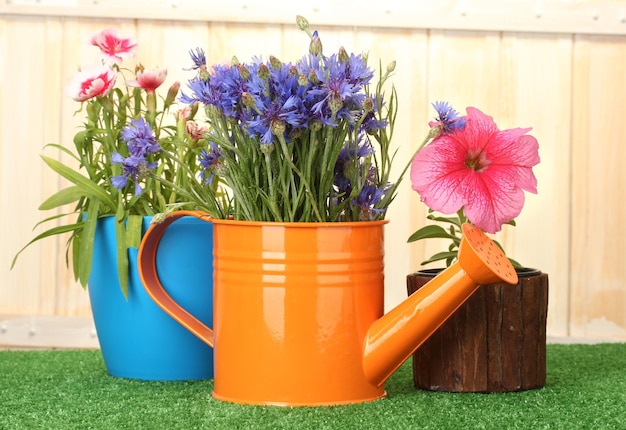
column 91, row 82
column 114, row 49
column 480, row 168
column 149, row 80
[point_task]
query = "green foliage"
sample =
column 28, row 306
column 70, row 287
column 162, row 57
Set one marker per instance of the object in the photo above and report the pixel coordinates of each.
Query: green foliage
column 453, row 233
column 87, row 167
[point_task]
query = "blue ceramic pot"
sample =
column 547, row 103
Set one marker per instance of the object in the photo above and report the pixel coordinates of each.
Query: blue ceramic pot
column 137, row 338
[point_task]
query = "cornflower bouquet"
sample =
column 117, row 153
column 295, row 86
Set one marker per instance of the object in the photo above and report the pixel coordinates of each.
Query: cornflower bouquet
column 473, row 171
column 129, row 137
column 297, row 142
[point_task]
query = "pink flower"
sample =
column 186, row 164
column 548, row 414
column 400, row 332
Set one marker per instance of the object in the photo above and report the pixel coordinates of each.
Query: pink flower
column 479, row 168
column 149, row 80
column 195, row 131
column 114, row 49
column 91, row 82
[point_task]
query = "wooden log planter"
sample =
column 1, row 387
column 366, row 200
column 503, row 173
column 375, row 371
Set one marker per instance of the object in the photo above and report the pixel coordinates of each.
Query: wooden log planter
column 495, row 342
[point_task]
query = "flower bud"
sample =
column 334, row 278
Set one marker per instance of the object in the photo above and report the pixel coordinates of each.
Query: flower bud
column 335, row 103
column 183, row 114
column 368, row 104
column 194, row 110
column 267, row 148
column 171, row 94
column 435, row 131
column 244, row 71
column 234, row 61
column 277, row 127
column 302, row 22
column 315, row 47
column 391, row 66
column 275, row 62
column 302, row 80
column 343, row 56
column 248, row 100
column 315, row 125
column 203, row 74
column 295, row 133
column 263, row 72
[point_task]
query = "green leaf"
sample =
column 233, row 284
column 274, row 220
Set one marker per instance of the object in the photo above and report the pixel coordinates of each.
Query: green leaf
column 451, row 220
column 514, row 263
column 122, row 249
column 430, row 232
column 122, row 256
column 63, row 149
column 51, row 232
column 87, row 241
column 441, row 256
column 63, row 197
column 83, row 182
column 133, row 231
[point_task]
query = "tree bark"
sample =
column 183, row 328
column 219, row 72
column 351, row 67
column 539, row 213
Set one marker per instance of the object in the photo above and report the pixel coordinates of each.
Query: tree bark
column 495, row 342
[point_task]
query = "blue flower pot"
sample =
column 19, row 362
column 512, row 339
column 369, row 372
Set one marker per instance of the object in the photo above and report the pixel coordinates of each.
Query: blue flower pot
column 137, row 338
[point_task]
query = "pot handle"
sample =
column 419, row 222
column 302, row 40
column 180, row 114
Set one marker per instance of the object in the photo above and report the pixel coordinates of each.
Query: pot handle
column 150, row 279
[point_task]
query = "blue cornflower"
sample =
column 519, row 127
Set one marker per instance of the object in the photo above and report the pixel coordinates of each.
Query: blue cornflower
column 371, row 124
column 141, row 142
column 370, row 196
column 341, row 87
column 277, row 107
column 140, row 138
column 209, row 161
column 349, row 159
column 448, row 120
column 222, row 90
column 198, row 58
column 134, row 167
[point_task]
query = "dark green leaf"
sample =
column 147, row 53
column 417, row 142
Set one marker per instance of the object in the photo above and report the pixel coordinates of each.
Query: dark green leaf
column 440, row 256
column 429, row 232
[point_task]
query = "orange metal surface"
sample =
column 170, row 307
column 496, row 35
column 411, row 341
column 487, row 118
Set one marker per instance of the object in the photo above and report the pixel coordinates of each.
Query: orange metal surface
column 298, row 316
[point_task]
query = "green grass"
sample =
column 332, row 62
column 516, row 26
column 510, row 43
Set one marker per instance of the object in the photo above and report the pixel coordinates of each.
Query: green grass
column 585, row 389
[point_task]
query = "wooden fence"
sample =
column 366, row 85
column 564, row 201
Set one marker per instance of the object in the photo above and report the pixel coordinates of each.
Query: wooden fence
column 555, row 66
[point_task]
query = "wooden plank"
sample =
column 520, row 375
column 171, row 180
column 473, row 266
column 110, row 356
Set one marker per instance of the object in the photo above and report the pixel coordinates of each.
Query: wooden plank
column 549, row 16
column 537, row 72
column 35, row 331
column 20, row 178
column 598, row 189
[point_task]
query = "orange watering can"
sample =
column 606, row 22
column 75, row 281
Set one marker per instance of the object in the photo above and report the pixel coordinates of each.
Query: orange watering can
column 298, row 307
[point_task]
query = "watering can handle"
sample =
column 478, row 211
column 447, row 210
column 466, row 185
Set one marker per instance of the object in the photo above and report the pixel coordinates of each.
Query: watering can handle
column 150, row 279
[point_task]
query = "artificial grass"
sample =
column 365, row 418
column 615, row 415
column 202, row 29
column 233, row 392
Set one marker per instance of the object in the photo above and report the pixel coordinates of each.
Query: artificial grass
column 585, row 389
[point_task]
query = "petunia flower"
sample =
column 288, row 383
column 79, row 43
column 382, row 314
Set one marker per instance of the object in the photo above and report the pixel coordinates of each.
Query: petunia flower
column 479, row 168
column 91, row 82
column 149, row 80
column 113, row 48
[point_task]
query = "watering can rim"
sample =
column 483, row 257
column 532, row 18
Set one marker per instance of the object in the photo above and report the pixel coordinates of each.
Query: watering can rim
column 302, row 224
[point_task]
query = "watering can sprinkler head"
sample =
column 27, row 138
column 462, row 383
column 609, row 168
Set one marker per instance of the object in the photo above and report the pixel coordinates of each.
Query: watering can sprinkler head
column 482, row 259
column 396, row 335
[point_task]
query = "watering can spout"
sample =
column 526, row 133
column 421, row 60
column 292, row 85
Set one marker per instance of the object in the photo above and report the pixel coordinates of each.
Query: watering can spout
column 392, row 339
